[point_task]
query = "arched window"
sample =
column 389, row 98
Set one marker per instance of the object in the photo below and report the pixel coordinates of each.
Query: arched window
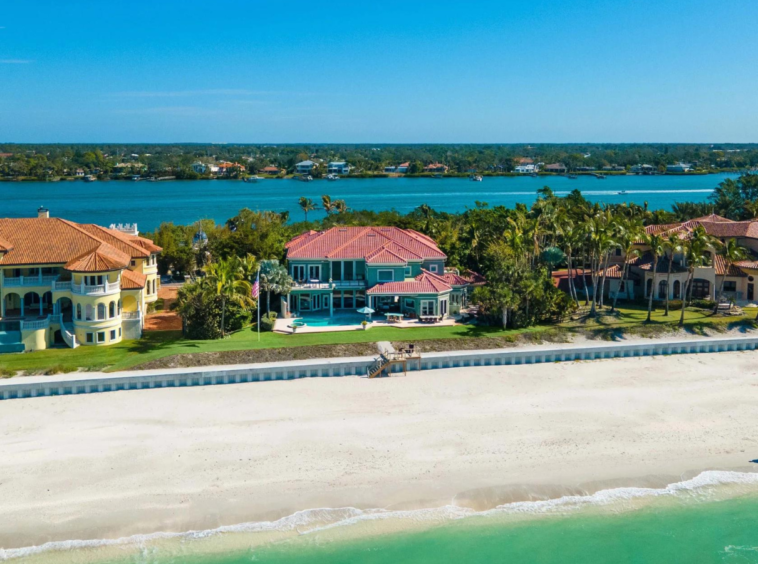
column 100, row 311
column 79, row 311
column 119, row 307
column 112, row 310
column 677, row 289
column 90, row 313
column 662, row 289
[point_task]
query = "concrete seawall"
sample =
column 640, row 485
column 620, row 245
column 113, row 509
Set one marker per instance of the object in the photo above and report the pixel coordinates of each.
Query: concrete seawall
column 83, row 383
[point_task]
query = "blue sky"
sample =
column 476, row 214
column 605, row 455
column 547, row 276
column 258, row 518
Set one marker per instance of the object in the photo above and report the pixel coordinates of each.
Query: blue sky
column 291, row 71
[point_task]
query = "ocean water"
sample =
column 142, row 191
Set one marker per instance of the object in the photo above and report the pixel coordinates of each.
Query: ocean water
column 150, row 203
column 712, row 518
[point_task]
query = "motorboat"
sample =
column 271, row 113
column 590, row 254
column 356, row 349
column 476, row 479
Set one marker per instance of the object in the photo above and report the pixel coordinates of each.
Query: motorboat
column 476, row 178
column 90, row 178
column 252, row 179
column 304, row 177
column 622, row 192
column 331, row 177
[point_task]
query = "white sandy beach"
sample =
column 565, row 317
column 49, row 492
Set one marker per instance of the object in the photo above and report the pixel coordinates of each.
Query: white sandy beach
column 117, row 464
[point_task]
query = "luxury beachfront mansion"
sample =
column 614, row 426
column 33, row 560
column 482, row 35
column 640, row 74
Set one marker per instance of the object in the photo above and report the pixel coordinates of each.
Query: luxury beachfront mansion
column 387, row 269
column 64, row 283
column 739, row 279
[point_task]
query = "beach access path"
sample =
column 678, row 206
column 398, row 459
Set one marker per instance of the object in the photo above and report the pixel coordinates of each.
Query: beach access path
column 110, row 465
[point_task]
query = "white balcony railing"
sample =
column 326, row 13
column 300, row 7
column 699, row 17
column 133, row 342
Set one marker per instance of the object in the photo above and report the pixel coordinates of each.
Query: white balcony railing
column 38, row 280
column 35, row 325
column 318, row 285
column 131, row 315
column 60, row 286
column 69, row 337
column 96, row 289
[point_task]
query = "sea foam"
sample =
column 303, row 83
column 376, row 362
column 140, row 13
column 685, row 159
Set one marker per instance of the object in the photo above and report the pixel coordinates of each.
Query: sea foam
column 314, row 520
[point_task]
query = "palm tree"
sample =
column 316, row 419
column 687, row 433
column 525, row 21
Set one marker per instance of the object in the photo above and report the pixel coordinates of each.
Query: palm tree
column 339, row 206
column 672, row 245
column 326, row 202
column 731, row 252
column 224, row 280
column 655, row 242
column 306, row 204
column 697, row 250
column 274, row 278
column 632, row 232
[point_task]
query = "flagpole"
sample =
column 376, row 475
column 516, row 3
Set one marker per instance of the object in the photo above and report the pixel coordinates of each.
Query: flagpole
column 258, row 303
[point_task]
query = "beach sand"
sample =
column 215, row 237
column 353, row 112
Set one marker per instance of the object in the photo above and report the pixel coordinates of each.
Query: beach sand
column 125, row 463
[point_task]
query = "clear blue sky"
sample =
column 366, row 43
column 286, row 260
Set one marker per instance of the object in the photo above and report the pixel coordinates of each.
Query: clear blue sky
column 291, row 71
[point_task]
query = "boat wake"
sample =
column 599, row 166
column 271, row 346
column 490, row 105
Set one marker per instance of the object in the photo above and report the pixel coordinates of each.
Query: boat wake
column 314, row 520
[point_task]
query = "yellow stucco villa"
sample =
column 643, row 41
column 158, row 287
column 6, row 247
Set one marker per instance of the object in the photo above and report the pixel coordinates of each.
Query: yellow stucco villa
column 69, row 284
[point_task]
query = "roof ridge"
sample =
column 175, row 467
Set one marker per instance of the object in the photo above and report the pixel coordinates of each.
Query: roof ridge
column 346, row 243
column 124, row 240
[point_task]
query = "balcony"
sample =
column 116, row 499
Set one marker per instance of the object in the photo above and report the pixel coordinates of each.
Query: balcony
column 334, row 284
column 97, row 289
column 131, row 315
column 38, row 280
column 62, row 286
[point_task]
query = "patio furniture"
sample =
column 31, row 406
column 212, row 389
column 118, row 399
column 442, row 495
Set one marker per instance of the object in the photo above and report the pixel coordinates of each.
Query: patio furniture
column 394, row 317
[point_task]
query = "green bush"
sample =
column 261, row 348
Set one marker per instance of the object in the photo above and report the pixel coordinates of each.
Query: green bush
column 267, row 321
column 675, row 305
column 237, row 317
column 703, row 304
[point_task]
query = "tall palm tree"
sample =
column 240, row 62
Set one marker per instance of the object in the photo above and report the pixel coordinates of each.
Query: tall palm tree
column 696, row 250
column 671, row 245
column 224, row 280
column 655, row 242
column 326, row 202
column 731, row 252
column 339, row 206
column 306, row 204
column 633, row 232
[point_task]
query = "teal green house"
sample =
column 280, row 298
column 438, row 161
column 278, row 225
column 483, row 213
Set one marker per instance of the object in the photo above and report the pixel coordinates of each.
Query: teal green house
column 388, row 269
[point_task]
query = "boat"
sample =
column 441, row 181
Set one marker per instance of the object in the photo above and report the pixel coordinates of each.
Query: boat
column 573, row 176
column 476, row 178
column 304, row 177
column 600, row 176
column 89, row 178
column 136, row 177
column 252, row 179
column 331, row 177
column 622, row 192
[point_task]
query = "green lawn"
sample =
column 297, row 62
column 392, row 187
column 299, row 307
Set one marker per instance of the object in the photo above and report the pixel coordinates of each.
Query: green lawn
column 159, row 344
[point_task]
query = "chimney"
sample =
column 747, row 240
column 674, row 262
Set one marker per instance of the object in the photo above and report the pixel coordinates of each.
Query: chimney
column 43, row 212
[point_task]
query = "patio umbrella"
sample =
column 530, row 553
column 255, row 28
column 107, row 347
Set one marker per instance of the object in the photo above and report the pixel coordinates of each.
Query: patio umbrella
column 366, row 311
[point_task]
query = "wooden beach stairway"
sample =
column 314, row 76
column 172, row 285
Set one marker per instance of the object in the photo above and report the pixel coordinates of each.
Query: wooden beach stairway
column 389, row 357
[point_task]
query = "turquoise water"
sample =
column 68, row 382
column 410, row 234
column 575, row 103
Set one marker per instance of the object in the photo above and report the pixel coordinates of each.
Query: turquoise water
column 150, row 203
column 710, row 519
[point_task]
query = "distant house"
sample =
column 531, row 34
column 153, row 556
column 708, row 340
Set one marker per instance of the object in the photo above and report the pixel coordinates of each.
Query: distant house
column 304, row 167
column 199, row 168
column 5, row 155
column 403, row 168
column 643, row 169
column 270, row 169
column 525, row 161
column 435, row 167
column 614, row 168
column 79, row 172
column 390, row 169
column 226, row 168
column 338, row 167
column 525, row 169
column 557, row 168
column 678, row 168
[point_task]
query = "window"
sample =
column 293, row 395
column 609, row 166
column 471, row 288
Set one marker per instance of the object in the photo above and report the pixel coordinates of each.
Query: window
column 90, row 338
column 112, row 310
column 298, row 271
column 119, row 332
column 101, row 337
column 410, row 303
column 90, row 313
column 385, row 275
column 408, row 271
column 700, row 288
column 134, row 262
column 113, row 334
column 433, row 268
column 677, row 289
column 79, row 311
column 427, row 307
column 100, row 311
column 314, row 272
column 119, row 307
column 730, row 286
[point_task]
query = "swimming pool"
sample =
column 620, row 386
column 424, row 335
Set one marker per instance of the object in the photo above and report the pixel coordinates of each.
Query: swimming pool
column 340, row 320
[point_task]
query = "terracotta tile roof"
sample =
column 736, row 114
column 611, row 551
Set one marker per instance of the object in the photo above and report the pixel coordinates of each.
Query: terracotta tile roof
column 720, row 264
column 102, row 259
column 361, row 242
column 131, row 280
column 752, row 264
column 424, row 283
column 454, row 279
column 53, row 240
column 474, row 278
column 269, row 169
column 387, row 255
column 645, row 262
column 5, row 246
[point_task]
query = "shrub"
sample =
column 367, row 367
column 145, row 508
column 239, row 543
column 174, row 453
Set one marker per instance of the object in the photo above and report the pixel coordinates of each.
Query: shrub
column 703, row 304
column 267, row 321
column 675, row 305
column 7, row 373
column 237, row 317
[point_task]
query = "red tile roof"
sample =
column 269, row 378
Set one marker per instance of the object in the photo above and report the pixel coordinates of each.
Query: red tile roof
column 362, row 242
column 131, row 280
column 102, row 259
column 42, row 240
column 424, row 283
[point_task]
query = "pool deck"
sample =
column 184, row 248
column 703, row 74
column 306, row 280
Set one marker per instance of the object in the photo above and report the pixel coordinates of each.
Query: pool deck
column 285, row 325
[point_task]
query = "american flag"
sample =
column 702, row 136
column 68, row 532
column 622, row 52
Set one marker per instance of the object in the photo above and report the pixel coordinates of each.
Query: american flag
column 257, row 286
